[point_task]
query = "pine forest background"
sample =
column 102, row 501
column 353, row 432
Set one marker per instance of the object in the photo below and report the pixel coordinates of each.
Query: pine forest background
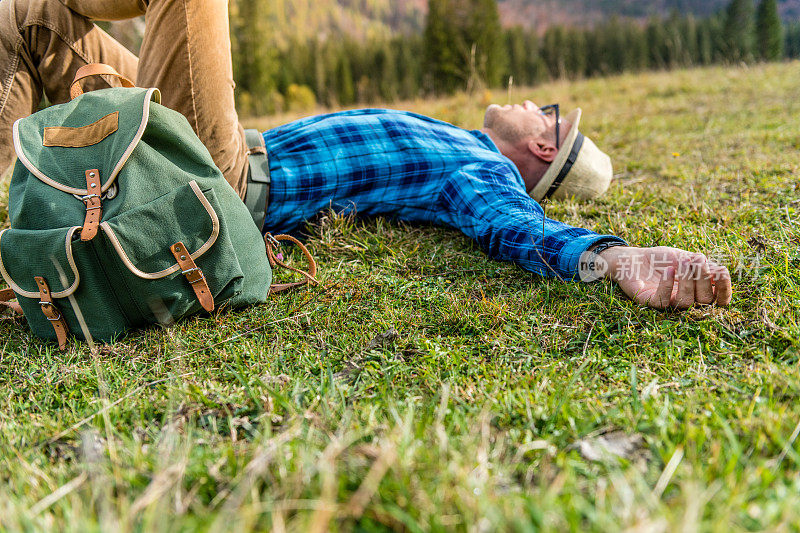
column 293, row 55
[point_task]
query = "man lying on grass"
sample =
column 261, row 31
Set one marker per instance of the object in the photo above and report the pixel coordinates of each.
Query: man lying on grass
column 486, row 183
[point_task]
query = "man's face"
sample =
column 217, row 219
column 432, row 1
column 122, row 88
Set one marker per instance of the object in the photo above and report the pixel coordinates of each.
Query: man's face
column 516, row 123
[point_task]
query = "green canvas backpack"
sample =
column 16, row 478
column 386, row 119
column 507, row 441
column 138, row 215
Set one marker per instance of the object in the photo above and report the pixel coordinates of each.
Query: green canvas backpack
column 119, row 219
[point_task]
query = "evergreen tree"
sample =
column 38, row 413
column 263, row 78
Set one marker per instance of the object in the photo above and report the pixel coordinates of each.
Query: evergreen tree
column 319, row 77
column 769, row 31
column 719, row 42
column 634, row 36
column 441, row 44
column 255, row 64
column 658, row 56
column 615, row 48
column 792, row 40
column 517, row 56
column 575, row 53
column 534, row 66
column 594, row 54
column 705, row 42
column 345, row 92
column 408, row 51
column 687, row 27
column 385, row 70
column 464, row 44
column 485, row 33
column 553, row 44
column 680, row 40
column 739, row 30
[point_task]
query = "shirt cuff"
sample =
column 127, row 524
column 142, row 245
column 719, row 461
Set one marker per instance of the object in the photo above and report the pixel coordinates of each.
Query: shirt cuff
column 571, row 253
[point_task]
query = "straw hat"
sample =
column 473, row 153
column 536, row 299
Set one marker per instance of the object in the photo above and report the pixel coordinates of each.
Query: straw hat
column 580, row 170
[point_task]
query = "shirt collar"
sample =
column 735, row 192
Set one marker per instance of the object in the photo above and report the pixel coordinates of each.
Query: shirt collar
column 486, row 140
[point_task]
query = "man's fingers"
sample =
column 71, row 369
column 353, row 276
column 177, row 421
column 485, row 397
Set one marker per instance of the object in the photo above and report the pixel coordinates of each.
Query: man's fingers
column 703, row 287
column 661, row 298
column 722, row 283
column 684, row 298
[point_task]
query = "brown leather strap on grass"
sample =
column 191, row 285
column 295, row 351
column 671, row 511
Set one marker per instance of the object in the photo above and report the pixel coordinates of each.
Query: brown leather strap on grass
column 95, row 69
column 272, row 242
column 94, row 207
column 52, row 313
column 6, row 295
column 193, row 275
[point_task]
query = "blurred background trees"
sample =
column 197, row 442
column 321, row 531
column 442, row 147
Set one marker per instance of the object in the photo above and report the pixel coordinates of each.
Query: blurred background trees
column 296, row 54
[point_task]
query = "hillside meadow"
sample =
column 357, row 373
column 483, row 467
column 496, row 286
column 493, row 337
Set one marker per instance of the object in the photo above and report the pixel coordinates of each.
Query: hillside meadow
column 424, row 387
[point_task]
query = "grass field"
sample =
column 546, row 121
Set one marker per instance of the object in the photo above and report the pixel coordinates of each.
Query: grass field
column 424, row 387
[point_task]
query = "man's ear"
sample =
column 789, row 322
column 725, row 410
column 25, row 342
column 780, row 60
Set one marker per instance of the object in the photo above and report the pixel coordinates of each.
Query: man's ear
column 543, row 149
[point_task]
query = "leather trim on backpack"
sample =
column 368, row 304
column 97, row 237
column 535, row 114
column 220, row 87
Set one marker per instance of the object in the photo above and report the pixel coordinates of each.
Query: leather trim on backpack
column 194, row 276
column 82, row 136
column 59, row 294
column 151, row 95
column 174, row 268
column 52, row 313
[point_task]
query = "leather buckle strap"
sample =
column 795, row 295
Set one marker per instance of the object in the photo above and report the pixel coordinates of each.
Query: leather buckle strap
column 52, row 313
column 276, row 259
column 193, row 275
column 94, row 206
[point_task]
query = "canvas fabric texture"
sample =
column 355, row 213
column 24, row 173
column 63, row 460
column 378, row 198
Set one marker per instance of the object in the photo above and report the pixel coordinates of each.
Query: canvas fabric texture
column 159, row 187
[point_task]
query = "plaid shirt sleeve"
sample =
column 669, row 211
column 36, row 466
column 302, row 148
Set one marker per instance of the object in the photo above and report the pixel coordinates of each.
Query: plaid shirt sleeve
column 485, row 203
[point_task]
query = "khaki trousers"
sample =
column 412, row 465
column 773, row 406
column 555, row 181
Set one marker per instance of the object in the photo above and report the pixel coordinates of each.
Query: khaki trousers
column 186, row 53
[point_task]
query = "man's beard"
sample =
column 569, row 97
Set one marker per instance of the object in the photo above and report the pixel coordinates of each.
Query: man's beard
column 493, row 120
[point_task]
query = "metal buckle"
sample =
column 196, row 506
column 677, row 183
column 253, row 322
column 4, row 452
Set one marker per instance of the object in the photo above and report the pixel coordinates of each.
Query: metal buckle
column 88, row 197
column 190, row 273
column 53, row 307
column 272, row 240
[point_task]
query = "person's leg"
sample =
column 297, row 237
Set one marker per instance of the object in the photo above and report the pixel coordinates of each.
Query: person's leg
column 107, row 9
column 42, row 44
column 186, row 53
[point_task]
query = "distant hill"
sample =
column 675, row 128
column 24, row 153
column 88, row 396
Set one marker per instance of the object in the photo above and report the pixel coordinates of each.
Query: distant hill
column 357, row 18
column 364, row 18
column 543, row 13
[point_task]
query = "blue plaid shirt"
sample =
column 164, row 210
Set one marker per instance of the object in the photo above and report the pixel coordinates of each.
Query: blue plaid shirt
column 415, row 168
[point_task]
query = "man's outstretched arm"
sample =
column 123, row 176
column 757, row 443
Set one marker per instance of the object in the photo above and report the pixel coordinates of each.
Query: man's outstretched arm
column 487, row 202
column 510, row 226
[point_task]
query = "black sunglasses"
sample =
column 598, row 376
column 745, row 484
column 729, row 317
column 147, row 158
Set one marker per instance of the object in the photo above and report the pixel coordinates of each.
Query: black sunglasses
column 552, row 110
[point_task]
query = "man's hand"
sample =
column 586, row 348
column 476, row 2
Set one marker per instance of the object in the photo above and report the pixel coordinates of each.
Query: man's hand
column 664, row 277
